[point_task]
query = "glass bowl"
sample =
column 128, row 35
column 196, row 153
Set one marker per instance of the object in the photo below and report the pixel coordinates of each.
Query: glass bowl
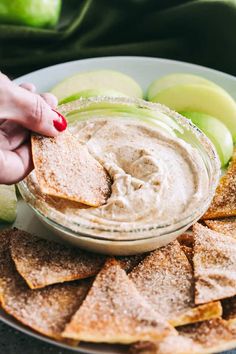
column 131, row 239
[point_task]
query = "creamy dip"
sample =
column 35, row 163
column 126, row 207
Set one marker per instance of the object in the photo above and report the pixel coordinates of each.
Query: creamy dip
column 156, row 176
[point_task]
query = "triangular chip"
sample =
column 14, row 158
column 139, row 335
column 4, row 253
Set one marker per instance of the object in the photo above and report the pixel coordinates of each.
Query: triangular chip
column 45, row 310
column 214, row 265
column 225, row 226
column 229, row 310
column 41, row 262
column 115, row 312
column 65, row 168
column 165, row 279
column 200, row 338
column 224, row 201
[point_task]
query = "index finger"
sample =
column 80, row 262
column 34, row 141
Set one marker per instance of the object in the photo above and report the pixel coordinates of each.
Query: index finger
column 28, row 109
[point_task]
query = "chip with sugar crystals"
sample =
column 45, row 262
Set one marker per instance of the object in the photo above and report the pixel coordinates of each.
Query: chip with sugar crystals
column 65, row 168
column 214, row 260
column 41, row 262
column 200, row 338
column 224, row 201
column 45, row 310
column 165, row 279
column 225, row 226
column 115, row 312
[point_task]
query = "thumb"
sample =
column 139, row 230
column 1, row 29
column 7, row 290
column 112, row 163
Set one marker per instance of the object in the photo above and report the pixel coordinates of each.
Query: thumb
column 29, row 110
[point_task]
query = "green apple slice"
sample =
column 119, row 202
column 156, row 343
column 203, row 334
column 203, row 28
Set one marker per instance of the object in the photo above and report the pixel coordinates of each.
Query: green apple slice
column 168, row 81
column 216, row 131
column 91, row 93
column 8, row 203
column 97, row 80
column 204, row 99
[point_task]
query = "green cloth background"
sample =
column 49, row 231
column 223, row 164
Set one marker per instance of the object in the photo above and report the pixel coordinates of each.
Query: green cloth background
column 197, row 31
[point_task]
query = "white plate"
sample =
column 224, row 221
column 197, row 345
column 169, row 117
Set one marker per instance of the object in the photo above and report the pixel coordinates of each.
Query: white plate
column 142, row 69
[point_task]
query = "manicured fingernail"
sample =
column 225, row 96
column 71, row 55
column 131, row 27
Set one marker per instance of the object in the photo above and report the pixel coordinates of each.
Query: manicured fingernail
column 61, row 123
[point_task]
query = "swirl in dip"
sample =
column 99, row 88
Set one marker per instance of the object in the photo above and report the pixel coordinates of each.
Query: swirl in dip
column 156, row 176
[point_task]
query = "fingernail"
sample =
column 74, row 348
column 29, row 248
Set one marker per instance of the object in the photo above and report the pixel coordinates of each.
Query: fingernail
column 61, row 123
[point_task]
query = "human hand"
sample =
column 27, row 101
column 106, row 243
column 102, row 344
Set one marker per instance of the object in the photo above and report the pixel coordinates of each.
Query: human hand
column 22, row 111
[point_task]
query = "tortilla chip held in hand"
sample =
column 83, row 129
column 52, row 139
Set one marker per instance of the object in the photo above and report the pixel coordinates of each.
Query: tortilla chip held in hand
column 65, row 168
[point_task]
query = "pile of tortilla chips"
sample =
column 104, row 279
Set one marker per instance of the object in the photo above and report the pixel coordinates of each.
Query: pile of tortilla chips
column 163, row 278
column 179, row 299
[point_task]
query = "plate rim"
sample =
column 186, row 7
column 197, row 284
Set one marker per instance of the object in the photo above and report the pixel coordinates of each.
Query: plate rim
column 129, row 57
column 11, row 321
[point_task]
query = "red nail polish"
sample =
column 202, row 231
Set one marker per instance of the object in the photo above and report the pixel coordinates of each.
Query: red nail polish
column 61, row 124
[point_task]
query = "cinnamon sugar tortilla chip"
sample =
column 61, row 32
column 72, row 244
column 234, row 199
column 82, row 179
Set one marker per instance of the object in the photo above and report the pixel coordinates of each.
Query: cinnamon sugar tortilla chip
column 229, row 310
column 214, row 265
column 65, row 169
column 59, row 204
column 225, row 226
column 165, row 279
column 44, row 310
column 115, row 312
column 224, row 201
column 42, row 263
column 200, row 338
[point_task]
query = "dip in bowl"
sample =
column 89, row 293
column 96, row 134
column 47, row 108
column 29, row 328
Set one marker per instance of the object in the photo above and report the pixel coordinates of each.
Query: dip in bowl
column 164, row 172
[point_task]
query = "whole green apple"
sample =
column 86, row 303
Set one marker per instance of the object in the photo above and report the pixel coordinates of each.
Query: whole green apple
column 35, row 13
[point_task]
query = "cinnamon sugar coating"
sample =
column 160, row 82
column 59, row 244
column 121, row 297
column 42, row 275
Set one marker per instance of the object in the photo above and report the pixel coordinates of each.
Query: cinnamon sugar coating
column 224, row 201
column 225, row 226
column 44, row 310
column 211, row 336
column 115, row 312
column 165, row 279
column 41, row 262
column 214, row 265
column 65, row 169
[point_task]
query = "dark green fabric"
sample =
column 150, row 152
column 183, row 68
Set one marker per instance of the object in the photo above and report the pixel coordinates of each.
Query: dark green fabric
column 197, row 31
